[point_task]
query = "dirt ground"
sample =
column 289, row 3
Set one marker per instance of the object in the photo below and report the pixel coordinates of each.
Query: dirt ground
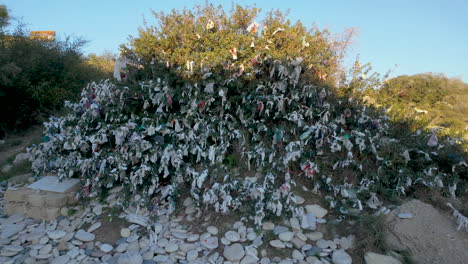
column 16, row 143
column 431, row 236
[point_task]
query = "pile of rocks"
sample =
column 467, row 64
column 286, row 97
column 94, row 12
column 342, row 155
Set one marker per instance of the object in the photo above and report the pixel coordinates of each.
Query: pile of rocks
column 171, row 239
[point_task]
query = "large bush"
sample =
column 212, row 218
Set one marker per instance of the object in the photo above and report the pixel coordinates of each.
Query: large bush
column 204, row 38
column 237, row 142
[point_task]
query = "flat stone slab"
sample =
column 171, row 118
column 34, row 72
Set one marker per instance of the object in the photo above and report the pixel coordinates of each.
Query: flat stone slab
column 52, row 184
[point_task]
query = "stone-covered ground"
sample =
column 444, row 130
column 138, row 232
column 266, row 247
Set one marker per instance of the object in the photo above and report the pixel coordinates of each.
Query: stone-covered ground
column 98, row 233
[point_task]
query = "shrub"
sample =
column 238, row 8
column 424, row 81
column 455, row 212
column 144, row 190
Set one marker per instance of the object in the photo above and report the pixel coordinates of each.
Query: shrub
column 162, row 137
column 37, row 76
column 431, row 100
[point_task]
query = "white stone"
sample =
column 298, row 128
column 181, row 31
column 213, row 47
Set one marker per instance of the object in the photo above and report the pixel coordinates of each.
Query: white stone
column 171, row 247
column 314, row 236
column 157, row 228
column 148, row 255
column 121, row 248
column 268, row 226
column 137, row 219
column 232, row 236
column 193, row 238
column 10, row 230
column 210, row 242
column 298, row 199
column 251, row 236
column 84, row 236
column 97, row 210
column 192, row 255
column 405, row 215
column 106, row 248
column 161, row 258
column 286, row 236
column 296, row 254
column 235, row 252
column 64, row 259
column 277, row 244
column 44, row 240
column 45, row 249
column 308, row 221
column 14, row 248
column 313, row 260
column 374, row 258
column 52, row 184
column 294, row 223
column 125, row 232
column 7, row 253
column 341, row 257
column 212, row 230
column 249, row 260
column 186, row 247
column 74, row 252
column 225, row 242
column 133, row 238
column 94, row 227
column 317, row 210
column 180, row 235
column 130, row 258
column 162, row 242
column 249, row 250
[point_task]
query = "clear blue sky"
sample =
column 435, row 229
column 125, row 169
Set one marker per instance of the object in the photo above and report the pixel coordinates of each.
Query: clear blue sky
column 417, row 35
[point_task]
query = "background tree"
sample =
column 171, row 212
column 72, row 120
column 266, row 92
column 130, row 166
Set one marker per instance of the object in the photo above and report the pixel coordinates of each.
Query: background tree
column 104, row 62
column 4, row 17
column 431, row 99
column 37, row 76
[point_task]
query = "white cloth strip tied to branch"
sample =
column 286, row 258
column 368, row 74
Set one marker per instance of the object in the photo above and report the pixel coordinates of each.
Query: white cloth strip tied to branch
column 135, row 137
column 462, row 220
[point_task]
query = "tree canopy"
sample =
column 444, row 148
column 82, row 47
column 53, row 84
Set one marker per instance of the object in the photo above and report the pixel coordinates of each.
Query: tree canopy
column 206, row 36
column 4, row 17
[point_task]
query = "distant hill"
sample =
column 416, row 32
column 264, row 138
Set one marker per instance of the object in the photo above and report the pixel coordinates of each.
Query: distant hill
column 432, row 99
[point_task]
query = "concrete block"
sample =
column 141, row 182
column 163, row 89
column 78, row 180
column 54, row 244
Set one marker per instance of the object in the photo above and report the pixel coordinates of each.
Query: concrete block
column 55, row 199
column 12, row 195
column 12, row 208
column 51, row 213
column 52, row 184
column 36, row 212
column 71, row 199
column 17, row 195
column 36, row 199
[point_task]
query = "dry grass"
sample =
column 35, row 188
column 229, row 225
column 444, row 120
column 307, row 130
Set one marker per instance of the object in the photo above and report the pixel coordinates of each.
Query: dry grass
column 370, row 232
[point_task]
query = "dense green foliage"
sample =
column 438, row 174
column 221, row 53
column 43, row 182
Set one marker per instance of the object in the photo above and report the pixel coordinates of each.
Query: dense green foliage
column 201, row 39
column 37, row 76
column 104, row 62
column 432, row 100
column 4, row 17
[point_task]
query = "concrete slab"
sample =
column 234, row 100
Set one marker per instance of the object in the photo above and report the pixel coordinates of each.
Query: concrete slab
column 52, row 184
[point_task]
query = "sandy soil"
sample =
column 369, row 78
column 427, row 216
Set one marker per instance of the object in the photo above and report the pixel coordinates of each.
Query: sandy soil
column 431, row 236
